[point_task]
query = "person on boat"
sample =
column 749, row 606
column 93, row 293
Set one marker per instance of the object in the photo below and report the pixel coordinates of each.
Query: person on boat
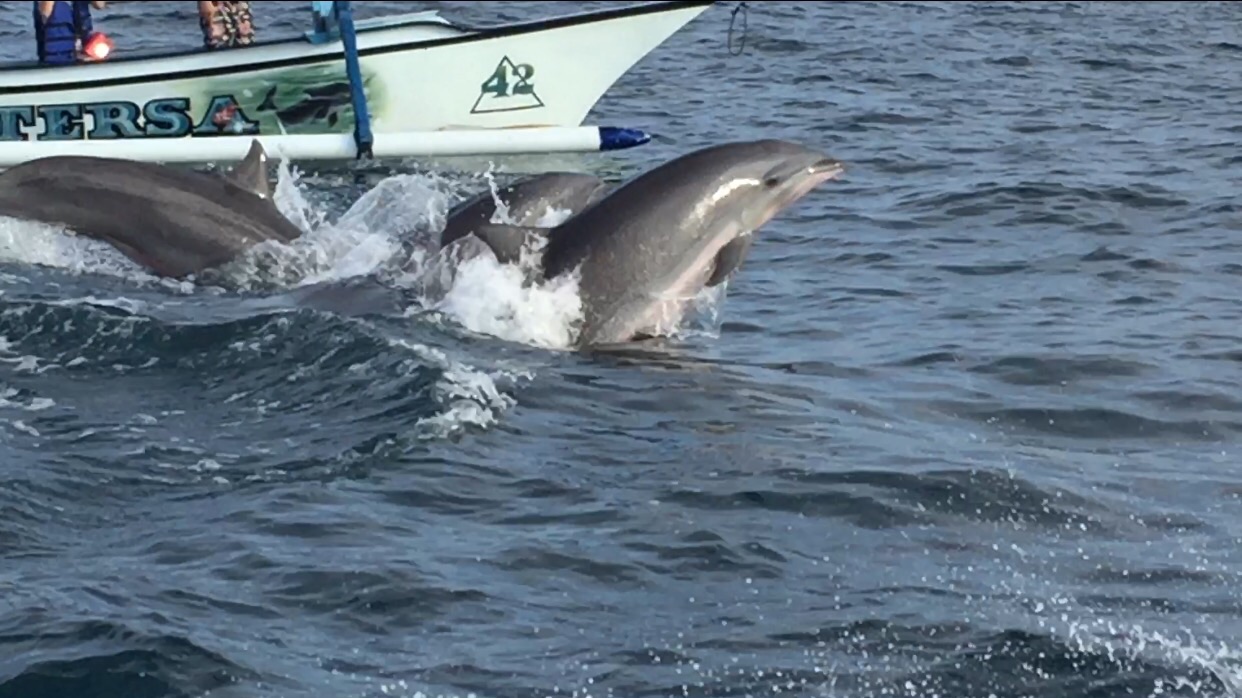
column 62, row 28
column 225, row 24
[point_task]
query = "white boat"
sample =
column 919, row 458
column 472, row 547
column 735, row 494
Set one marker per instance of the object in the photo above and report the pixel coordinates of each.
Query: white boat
column 432, row 87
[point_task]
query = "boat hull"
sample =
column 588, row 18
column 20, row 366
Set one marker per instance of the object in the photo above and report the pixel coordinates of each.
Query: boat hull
column 421, row 76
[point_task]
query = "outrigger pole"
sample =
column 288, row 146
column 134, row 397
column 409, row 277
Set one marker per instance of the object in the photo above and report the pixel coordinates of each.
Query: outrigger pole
column 335, row 19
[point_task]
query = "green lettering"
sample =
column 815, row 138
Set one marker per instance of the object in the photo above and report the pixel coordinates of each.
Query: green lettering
column 167, row 118
column 12, row 119
column 114, row 120
column 62, row 122
column 524, row 86
column 509, row 80
column 498, row 83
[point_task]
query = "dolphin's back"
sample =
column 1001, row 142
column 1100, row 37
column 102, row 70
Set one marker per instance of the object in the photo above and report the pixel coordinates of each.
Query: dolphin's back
column 176, row 221
column 662, row 200
column 528, row 201
column 632, row 242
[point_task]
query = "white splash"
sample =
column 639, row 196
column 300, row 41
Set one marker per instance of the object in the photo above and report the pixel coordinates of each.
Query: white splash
column 504, row 301
column 45, row 245
column 352, row 246
column 494, row 299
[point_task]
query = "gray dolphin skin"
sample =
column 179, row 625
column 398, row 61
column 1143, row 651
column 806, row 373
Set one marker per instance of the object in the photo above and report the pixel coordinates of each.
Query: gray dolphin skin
column 653, row 243
column 528, row 200
column 173, row 221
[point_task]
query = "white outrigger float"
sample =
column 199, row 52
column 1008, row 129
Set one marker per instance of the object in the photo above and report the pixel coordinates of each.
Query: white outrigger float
column 402, row 86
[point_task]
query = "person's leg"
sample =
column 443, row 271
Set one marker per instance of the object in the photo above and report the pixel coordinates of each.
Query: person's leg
column 242, row 23
column 211, row 21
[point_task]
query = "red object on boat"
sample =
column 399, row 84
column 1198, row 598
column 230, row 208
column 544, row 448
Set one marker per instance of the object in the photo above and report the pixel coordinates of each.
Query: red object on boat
column 97, row 46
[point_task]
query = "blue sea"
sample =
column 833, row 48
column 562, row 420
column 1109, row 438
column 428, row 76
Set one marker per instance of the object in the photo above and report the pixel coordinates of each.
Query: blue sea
column 966, row 425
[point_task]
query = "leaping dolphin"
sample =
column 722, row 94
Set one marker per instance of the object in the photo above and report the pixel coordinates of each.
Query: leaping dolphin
column 655, row 242
column 173, row 221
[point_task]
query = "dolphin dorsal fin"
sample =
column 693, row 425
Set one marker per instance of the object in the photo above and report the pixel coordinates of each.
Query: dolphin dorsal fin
column 506, row 241
column 729, row 259
column 251, row 174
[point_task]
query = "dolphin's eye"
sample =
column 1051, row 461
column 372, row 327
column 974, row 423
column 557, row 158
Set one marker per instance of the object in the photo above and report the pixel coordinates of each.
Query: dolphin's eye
column 771, row 182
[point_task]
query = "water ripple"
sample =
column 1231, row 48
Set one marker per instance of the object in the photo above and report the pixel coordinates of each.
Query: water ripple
column 966, row 424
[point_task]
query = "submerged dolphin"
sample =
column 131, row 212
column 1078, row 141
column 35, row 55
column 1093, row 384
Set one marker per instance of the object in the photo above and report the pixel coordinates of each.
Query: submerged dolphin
column 527, row 201
column 173, row 221
column 652, row 244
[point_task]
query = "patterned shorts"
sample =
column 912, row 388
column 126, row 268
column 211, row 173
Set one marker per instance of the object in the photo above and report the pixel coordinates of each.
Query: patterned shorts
column 228, row 24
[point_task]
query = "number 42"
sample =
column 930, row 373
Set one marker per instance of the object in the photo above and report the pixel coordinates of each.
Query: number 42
column 499, row 83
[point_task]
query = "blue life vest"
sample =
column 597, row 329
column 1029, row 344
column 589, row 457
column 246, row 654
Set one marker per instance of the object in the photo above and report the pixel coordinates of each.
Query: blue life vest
column 57, row 36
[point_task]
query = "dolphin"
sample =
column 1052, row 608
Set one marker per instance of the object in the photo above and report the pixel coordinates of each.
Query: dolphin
column 173, row 221
column 527, row 200
column 651, row 245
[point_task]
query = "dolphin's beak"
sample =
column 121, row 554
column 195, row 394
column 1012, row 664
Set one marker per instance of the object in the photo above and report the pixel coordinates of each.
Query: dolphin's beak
column 828, row 168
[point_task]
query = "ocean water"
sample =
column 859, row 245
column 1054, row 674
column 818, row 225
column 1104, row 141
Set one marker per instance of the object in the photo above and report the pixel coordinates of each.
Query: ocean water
column 967, row 423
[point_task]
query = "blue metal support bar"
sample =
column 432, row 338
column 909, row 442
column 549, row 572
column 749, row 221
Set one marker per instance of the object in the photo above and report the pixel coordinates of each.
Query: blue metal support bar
column 335, row 19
